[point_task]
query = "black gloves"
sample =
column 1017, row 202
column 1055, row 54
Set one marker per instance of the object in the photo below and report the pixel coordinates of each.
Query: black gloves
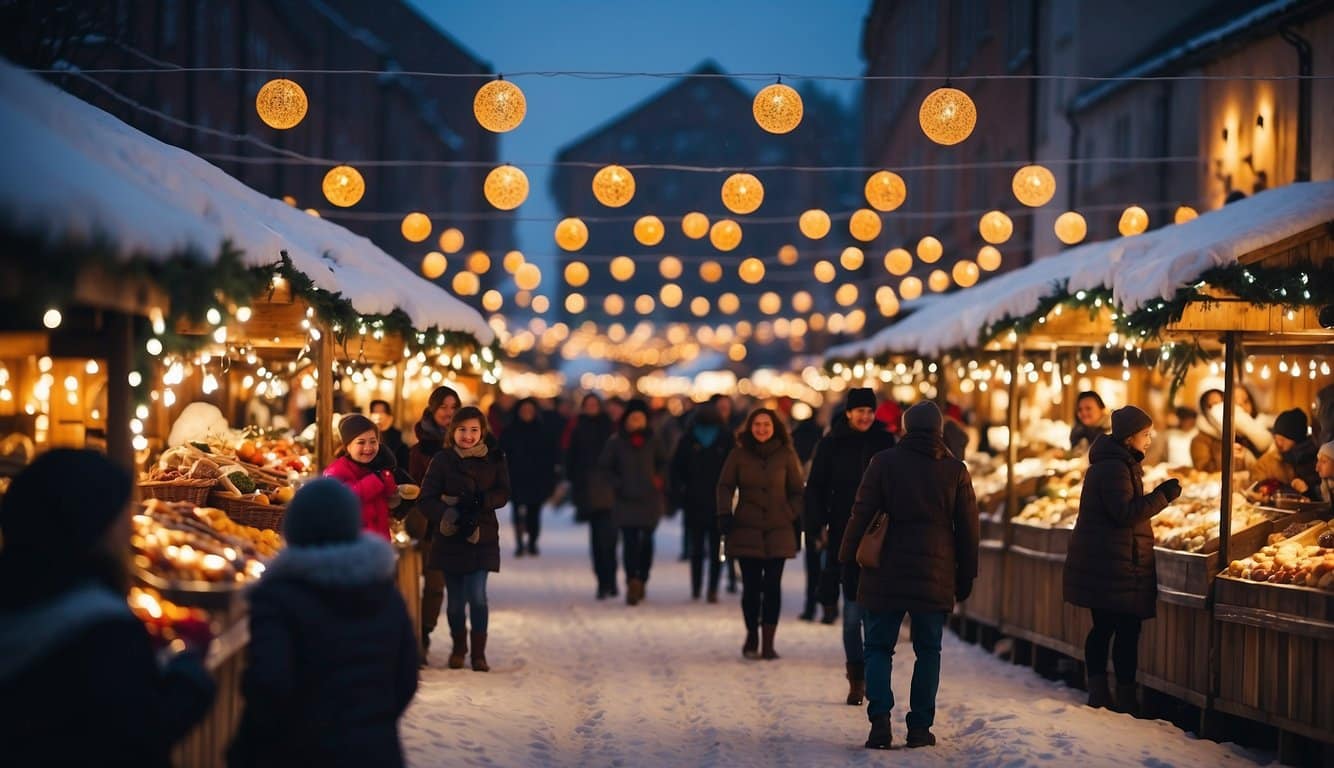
column 962, row 590
column 383, row 461
column 725, row 524
column 1171, row 488
column 467, row 525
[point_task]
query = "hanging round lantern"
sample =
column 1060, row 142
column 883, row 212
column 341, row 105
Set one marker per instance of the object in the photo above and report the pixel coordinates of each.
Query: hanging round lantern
column 574, row 303
column 938, row 280
column 1033, row 185
column 541, row 304
column 613, row 186
column 416, row 227
column 644, row 304
column 506, row 187
column 710, row 271
column 467, row 284
column 699, row 306
column 523, row 299
column 670, row 267
column 728, row 303
column 898, row 262
column 492, row 301
column 451, row 240
column 885, row 191
column 512, row 261
column 846, row 295
column 910, row 288
column 751, row 270
column 528, row 276
column 883, row 294
column 787, row 255
column 814, row 224
column 725, row 234
column 479, row 263
column 576, row 274
column 947, row 116
column 929, row 250
column 622, row 268
column 1184, row 214
column 852, row 258
column 695, row 225
column 995, row 227
column 965, row 273
column 613, row 304
column 824, row 271
column 989, row 258
column 571, row 234
column 777, row 108
column 1134, row 220
column 281, row 104
column 499, row 106
column 649, row 230
column 742, row 193
column 434, row 265
column 313, row 212
column 890, row 306
column 671, row 295
column 770, row 303
column 864, row 225
column 802, row 302
column 1070, row 228
column 343, row 186
column 289, row 200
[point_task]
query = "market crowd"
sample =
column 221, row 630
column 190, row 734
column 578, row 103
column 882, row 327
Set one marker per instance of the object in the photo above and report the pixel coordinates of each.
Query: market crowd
column 879, row 506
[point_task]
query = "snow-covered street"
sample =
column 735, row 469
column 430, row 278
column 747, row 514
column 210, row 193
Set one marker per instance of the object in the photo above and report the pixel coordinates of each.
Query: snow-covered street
column 579, row 682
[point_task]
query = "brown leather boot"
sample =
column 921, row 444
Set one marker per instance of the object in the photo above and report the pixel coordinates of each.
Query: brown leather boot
column 459, row 651
column 751, row 648
column 634, row 592
column 479, row 653
column 767, row 642
column 856, row 684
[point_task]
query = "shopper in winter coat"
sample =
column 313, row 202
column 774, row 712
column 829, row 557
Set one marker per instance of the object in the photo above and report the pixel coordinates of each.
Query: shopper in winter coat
column 382, row 415
column 332, row 661
column 1291, row 459
column 1252, row 439
column 634, row 465
column 367, row 467
column 464, row 486
column 1324, row 467
column 696, row 467
column 927, row 562
column 530, row 450
column 836, row 473
column 431, row 433
column 1091, row 420
column 765, row 475
column 1110, row 568
column 79, row 681
column 592, row 495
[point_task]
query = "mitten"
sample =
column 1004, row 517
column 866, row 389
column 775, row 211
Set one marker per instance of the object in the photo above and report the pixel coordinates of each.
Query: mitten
column 1171, row 488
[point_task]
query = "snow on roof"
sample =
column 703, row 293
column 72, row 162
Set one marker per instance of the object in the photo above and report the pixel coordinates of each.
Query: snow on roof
column 1137, row 270
column 71, row 173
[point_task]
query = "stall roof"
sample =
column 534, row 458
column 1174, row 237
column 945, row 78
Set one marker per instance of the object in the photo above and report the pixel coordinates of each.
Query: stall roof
column 1137, row 270
column 73, row 174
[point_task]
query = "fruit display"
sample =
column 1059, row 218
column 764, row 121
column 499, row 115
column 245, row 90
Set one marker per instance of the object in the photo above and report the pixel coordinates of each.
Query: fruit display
column 273, row 451
column 1302, row 561
column 1050, row 511
column 178, row 464
column 178, row 542
column 235, row 478
column 1192, row 524
column 165, row 621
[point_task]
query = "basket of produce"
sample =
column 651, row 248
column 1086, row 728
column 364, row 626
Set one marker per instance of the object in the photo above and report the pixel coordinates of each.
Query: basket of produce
column 180, row 476
column 253, row 509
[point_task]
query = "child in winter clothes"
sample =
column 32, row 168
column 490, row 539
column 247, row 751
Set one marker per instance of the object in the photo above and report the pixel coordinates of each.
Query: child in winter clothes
column 367, row 467
column 464, row 486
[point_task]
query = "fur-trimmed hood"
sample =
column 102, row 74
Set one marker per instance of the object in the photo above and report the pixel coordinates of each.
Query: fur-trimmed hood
column 27, row 636
column 369, row 559
column 1246, row 426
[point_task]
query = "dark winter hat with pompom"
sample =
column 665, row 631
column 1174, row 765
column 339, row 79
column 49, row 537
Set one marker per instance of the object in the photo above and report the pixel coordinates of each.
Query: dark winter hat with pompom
column 1291, row 424
column 861, row 397
column 323, row 512
column 923, row 417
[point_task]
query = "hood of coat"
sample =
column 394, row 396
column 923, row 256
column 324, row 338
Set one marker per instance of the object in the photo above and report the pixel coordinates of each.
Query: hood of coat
column 1247, row 427
column 368, row 559
column 26, row 636
column 430, row 435
column 1107, row 449
column 931, row 444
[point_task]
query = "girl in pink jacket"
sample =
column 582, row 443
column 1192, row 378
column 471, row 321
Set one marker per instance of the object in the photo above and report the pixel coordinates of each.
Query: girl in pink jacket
column 367, row 467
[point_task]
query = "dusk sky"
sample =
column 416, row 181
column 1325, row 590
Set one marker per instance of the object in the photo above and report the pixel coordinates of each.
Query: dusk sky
column 741, row 36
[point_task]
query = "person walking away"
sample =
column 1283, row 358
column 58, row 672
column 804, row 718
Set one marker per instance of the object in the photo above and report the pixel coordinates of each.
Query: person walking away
column 696, row 467
column 382, row 416
column 764, row 474
column 530, row 450
column 367, row 467
column 841, row 458
column 464, row 486
column 79, row 680
column 431, row 435
column 592, row 496
column 1091, row 420
column 1291, row 459
column 1110, row 568
column 928, row 562
column 332, row 660
column 633, row 466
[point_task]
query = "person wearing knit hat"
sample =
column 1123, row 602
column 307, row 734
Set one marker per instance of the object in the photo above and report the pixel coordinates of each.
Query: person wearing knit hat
column 1292, row 457
column 65, row 626
column 1128, row 421
column 327, row 611
column 633, row 465
column 1324, row 467
column 367, row 467
column 860, row 397
column 923, row 417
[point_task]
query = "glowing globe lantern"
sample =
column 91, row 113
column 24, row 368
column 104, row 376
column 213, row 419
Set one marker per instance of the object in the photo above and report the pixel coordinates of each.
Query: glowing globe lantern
column 576, row 274
column 846, row 295
column 574, row 303
column 929, row 250
column 506, row 187
column 729, row 303
column 416, row 227
column 492, row 301
column 777, row 108
column 281, row 104
column 814, row 224
column 571, row 234
column 649, row 230
column 864, row 225
column 613, row 186
column 725, row 234
column 1070, row 228
column 989, row 258
column 710, row 271
column 467, row 284
column 695, row 225
column 699, row 306
column 742, row 193
column 644, row 304
column 947, row 116
column 751, row 270
column 995, row 227
column 479, row 263
column 527, row 277
column 910, row 288
column 670, row 267
column 787, row 255
column 434, row 265
column 770, row 303
column 1184, row 214
column 343, row 186
column 1033, row 185
column 1134, row 221
column 512, row 261
column 965, row 273
column 898, row 262
column 622, row 268
column 885, row 191
column 938, row 280
column 852, row 258
column 613, row 305
column 671, row 295
column 824, row 271
column 499, row 106
column 802, row 302
column 451, row 240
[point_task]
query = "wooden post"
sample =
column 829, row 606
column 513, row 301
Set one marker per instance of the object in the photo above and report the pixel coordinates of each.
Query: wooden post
column 119, row 351
column 1229, row 437
column 398, row 398
column 323, row 354
column 1011, row 490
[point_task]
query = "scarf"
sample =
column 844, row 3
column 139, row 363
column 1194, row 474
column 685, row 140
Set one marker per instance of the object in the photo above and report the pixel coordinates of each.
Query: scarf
column 705, row 434
column 637, row 439
column 478, row 451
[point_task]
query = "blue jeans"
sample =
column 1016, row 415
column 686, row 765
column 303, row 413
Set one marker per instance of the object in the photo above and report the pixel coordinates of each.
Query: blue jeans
column 882, row 633
column 853, row 646
column 466, row 589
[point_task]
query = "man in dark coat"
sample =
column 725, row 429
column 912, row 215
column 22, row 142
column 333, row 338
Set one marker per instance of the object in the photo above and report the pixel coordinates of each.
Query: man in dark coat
column 696, row 466
column 1109, row 568
column 531, row 450
column 928, row 561
column 836, row 472
column 590, row 491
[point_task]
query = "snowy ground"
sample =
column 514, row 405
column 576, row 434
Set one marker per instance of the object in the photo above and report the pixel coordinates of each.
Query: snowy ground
column 579, row 682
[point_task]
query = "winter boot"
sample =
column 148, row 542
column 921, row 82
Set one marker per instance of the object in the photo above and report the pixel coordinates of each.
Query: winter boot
column 712, row 596
column 532, row 547
column 829, row 613
column 1100, row 696
column 880, row 736
column 459, row 651
column 751, row 648
column 808, row 612
column 479, row 653
column 1127, row 699
column 767, row 642
column 856, row 684
column 634, row 591
column 921, row 737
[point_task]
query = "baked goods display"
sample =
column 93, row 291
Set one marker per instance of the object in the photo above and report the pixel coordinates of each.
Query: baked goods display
column 1192, row 524
column 165, row 621
column 1304, row 560
column 179, row 542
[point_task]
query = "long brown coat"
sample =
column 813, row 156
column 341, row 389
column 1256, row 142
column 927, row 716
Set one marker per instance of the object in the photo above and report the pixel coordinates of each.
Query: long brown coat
column 634, row 467
column 769, row 478
column 1110, row 565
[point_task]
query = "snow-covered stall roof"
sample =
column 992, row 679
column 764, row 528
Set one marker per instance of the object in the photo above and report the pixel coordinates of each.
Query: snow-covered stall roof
column 71, row 173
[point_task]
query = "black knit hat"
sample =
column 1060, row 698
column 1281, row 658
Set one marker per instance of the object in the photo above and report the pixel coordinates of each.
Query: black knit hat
column 352, row 425
column 63, row 504
column 323, row 512
column 923, row 417
column 1127, row 421
column 1291, row 424
column 860, row 397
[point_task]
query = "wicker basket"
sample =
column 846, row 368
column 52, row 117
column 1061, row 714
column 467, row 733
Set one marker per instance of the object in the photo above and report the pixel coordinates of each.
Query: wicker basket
column 246, row 512
column 193, row 491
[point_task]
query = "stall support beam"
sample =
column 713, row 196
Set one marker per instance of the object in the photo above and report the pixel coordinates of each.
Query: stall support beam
column 324, row 435
column 1229, row 438
column 120, row 354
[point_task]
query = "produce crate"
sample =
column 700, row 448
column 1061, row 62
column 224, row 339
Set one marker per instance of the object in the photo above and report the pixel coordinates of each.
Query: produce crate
column 1192, row 573
column 1034, row 607
column 189, row 490
column 245, row 512
column 1174, row 651
column 1035, row 538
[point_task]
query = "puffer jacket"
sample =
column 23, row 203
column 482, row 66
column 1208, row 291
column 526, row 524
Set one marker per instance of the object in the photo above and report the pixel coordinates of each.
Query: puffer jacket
column 767, row 481
column 634, row 467
column 1110, row 565
column 696, row 467
column 841, row 458
column 460, row 477
column 372, row 488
